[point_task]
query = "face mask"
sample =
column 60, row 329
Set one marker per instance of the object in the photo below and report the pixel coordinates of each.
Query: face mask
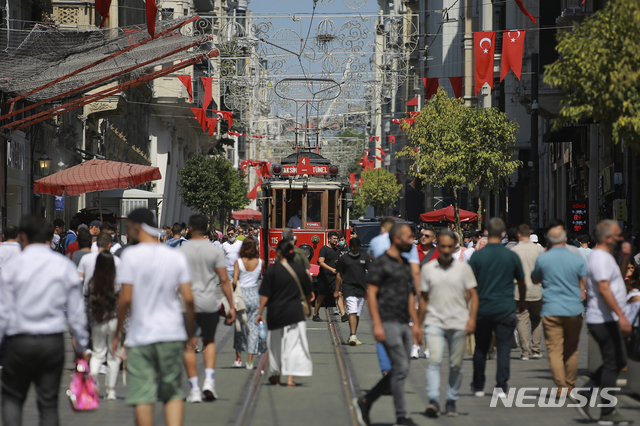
column 341, row 243
column 355, row 255
column 232, row 239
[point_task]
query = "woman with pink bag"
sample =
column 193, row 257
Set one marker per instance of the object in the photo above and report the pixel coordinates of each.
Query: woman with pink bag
column 102, row 307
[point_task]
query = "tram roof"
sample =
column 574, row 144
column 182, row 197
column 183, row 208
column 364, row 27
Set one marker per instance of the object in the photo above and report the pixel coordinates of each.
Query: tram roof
column 312, row 184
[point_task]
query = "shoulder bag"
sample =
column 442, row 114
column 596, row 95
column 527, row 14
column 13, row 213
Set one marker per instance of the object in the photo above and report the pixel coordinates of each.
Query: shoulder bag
column 305, row 306
column 633, row 342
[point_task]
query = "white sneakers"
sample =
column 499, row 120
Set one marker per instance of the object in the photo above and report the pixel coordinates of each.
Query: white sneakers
column 209, row 390
column 194, row 396
column 415, row 351
column 237, row 364
column 353, row 341
column 111, row 395
column 249, row 366
column 427, row 354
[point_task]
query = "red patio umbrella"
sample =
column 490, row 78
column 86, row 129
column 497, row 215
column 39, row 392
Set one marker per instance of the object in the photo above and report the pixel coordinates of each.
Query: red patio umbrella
column 246, row 214
column 448, row 213
column 96, row 175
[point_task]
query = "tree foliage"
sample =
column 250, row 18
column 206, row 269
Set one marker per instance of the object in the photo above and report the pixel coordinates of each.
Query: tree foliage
column 212, row 185
column 379, row 188
column 599, row 69
column 359, row 207
column 454, row 146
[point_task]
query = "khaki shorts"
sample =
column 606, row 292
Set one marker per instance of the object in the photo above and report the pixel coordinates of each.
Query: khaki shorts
column 154, row 372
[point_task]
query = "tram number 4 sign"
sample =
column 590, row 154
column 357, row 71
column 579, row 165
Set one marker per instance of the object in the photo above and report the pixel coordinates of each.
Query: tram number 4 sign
column 304, row 167
column 578, row 216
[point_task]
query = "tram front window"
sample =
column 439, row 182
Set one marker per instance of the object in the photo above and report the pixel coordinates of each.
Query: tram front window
column 294, row 209
column 296, row 206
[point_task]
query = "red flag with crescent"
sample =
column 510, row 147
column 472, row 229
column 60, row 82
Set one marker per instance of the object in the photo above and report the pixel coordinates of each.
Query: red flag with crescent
column 152, row 14
column 186, row 80
column 226, row 115
column 243, row 166
column 253, row 194
column 512, row 46
column 414, row 113
column 395, row 120
column 484, row 44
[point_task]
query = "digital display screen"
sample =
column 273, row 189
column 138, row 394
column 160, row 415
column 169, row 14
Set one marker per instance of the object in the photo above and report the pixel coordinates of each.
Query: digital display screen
column 578, row 216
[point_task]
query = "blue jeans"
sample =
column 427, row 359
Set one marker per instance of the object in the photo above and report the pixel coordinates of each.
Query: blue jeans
column 383, row 358
column 456, row 339
column 503, row 324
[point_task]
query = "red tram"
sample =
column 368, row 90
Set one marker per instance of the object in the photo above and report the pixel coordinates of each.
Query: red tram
column 307, row 195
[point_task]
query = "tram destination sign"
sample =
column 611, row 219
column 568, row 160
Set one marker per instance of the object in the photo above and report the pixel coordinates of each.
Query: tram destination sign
column 305, row 167
column 578, row 216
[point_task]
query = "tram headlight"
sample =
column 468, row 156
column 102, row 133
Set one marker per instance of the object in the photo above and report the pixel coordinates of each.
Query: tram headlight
column 276, row 169
column 334, row 170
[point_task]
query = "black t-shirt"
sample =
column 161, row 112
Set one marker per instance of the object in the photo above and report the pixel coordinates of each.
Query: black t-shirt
column 353, row 269
column 396, row 283
column 284, row 306
column 331, row 255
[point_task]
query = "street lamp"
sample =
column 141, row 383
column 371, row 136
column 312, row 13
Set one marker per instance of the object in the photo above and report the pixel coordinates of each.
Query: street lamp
column 45, row 164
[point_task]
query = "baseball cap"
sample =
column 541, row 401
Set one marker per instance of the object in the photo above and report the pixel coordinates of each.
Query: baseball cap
column 533, row 238
column 83, row 226
column 96, row 223
column 147, row 221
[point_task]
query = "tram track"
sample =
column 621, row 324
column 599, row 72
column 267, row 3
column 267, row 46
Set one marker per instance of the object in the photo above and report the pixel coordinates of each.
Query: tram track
column 252, row 387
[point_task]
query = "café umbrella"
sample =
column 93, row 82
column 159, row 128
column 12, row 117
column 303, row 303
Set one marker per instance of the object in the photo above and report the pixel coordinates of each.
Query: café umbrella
column 96, row 175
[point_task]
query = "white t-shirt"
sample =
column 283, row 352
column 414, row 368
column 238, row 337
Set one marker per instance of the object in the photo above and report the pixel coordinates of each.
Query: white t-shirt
column 114, row 247
column 447, row 289
column 603, row 267
column 156, row 272
column 232, row 252
column 466, row 256
column 87, row 266
column 7, row 251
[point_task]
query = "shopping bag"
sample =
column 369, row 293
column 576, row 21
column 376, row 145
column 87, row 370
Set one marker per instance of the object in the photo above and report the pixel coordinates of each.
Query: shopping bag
column 83, row 391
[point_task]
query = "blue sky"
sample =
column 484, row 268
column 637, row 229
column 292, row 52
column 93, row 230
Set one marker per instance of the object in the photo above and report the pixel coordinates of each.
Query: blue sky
column 285, row 7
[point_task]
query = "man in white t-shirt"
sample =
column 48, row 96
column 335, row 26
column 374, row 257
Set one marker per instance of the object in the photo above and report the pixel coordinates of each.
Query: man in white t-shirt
column 606, row 295
column 447, row 286
column 231, row 250
column 87, row 264
column 110, row 229
column 152, row 275
column 207, row 264
column 10, row 245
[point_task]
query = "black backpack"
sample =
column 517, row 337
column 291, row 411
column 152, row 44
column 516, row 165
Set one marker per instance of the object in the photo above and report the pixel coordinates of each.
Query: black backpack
column 61, row 247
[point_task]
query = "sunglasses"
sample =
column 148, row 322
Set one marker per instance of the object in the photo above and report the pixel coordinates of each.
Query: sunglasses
column 426, row 235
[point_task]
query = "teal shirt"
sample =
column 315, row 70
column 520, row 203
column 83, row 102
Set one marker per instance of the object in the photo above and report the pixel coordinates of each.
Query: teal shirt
column 560, row 272
column 495, row 268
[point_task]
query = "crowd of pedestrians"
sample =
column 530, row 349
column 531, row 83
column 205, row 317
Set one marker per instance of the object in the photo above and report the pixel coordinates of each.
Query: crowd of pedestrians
column 153, row 300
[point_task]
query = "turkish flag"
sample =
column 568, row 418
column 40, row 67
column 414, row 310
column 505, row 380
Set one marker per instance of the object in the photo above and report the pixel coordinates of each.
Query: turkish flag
column 102, row 7
column 430, row 86
column 243, row 166
column 253, row 194
column 512, row 46
column 186, row 80
column 265, row 168
column 152, row 14
column 392, row 139
column 484, row 45
column 206, row 82
column 456, row 85
column 226, row 115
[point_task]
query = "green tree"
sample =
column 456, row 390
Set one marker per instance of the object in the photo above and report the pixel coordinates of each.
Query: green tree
column 460, row 147
column 599, row 69
column 359, row 207
column 379, row 188
column 212, row 185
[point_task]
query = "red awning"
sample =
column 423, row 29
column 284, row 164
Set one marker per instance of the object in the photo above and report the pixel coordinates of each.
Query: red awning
column 96, row 175
column 247, row 214
column 413, row 102
column 448, row 214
